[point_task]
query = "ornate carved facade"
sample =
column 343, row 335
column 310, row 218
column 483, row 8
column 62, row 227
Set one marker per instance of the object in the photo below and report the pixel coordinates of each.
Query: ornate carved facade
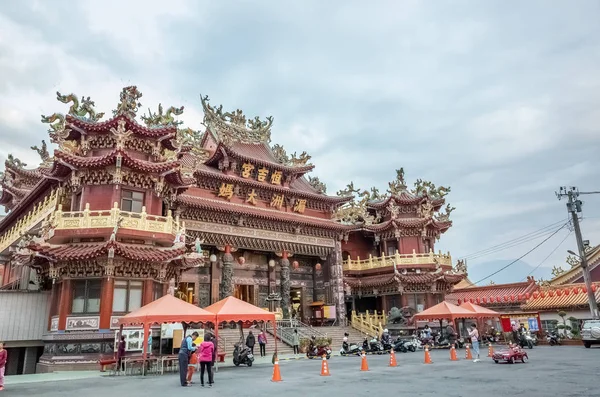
column 121, row 208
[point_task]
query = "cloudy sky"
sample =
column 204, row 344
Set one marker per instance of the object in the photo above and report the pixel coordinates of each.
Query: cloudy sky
column 498, row 99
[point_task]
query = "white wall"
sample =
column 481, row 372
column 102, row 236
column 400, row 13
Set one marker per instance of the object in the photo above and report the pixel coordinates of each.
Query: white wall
column 553, row 315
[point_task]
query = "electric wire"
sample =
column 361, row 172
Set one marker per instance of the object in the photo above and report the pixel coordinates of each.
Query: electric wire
column 514, row 242
column 549, row 255
column 524, row 255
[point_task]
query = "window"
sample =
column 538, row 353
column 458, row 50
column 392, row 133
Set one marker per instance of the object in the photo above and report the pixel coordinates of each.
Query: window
column 391, row 247
column 158, row 291
column 127, row 296
column 132, row 201
column 86, row 296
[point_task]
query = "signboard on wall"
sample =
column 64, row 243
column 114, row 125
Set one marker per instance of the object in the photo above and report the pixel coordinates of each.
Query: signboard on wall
column 134, row 340
column 329, row 312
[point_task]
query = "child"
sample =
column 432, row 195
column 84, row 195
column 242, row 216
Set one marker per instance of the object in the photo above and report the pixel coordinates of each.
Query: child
column 192, row 364
column 3, row 356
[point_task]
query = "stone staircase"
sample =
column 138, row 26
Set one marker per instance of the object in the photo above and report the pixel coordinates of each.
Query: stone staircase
column 336, row 333
column 229, row 337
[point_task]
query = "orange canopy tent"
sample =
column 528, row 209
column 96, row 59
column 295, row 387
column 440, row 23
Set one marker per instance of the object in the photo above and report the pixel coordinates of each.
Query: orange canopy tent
column 167, row 309
column 233, row 309
column 480, row 311
column 444, row 311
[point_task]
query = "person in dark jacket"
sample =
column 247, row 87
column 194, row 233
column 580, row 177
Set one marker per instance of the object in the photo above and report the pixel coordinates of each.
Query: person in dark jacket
column 250, row 341
column 121, row 354
column 186, row 349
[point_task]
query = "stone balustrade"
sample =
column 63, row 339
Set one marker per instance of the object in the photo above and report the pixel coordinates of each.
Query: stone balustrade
column 398, row 259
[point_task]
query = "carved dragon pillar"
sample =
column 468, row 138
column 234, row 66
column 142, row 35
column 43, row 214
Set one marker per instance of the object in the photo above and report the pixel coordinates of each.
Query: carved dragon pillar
column 227, row 274
column 336, row 278
column 285, row 284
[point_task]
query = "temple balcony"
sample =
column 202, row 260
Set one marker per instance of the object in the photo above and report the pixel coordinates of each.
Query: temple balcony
column 97, row 223
column 399, row 260
column 30, row 221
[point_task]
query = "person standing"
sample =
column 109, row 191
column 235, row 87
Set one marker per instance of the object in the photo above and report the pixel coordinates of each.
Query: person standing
column 121, row 354
column 262, row 343
column 250, row 341
column 186, row 349
column 192, row 365
column 474, row 334
column 3, row 358
column 207, row 349
column 296, row 341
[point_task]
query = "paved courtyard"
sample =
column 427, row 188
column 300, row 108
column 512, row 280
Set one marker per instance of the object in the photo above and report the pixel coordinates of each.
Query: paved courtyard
column 567, row 371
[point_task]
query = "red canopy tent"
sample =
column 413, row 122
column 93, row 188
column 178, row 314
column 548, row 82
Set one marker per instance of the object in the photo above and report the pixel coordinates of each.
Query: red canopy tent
column 233, row 309
column 480, row 311
column 444, row 311
column 167, row 309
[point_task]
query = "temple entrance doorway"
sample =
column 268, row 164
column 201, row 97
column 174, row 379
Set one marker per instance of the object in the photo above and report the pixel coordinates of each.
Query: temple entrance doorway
column 296, row 301
column 245, row 293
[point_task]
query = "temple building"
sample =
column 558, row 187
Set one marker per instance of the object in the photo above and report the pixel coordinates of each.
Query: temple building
column 123, row 210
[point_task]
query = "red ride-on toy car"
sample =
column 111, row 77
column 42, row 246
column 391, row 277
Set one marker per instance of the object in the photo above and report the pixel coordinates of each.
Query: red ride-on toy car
column 514, row 353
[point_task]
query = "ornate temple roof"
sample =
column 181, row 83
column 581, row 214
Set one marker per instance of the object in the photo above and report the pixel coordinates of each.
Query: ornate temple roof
column 264, row 213
column 558, row 297
column 491, row 295
column 110, row 159
column 399, row 223
column 574, row 273
column 409, row 278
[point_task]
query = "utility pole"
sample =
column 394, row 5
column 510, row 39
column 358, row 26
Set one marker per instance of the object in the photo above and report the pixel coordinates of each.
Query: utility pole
column 574, row 207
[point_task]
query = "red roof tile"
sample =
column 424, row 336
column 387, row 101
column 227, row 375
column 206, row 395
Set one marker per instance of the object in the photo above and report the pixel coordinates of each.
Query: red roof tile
column 265, row 213
column 560, row 297
column 493, row 294
column 110, row 158
column 132, row 125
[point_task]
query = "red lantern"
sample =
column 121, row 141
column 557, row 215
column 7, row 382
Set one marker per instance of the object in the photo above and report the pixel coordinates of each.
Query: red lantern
column 536, row 295
column 527, row 295
column 551, row 294
column 512, row 298
column 498, row 299
column 471, row 300
column 584, row 290
column 318, row 266
column 567, row 292
column 594, row 288
column 241, row 260
column 484, row 299
column 542, row 294
column 295, row 264
column 505, row 298
column 576, row 290
column 459, row 301
column 520, row 297
column 477, row 300
column 558, row 292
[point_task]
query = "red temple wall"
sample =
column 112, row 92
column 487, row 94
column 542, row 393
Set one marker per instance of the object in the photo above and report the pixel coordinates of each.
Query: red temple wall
column 358, row 246
column 103, row 198
column 408, row 244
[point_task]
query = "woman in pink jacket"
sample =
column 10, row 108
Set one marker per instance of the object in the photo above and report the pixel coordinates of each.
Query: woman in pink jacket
column 206, row 357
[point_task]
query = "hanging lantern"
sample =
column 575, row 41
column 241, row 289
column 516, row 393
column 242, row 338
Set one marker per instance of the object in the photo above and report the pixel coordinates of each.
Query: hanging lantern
column 584, row 290
column 271, row 263
column 471, row 300
column 484, row 299
column 542, row 294
column 295, row 264
column 594, row 288
column 318, row 267
column 512, row 298
column 551, row 294
column 558, row 292
column 520, row 297
column 477, row 300
column 505, row 298
column 459, row 301
column 536, row 295
column 527, row 295
column 498, row 299
column 241, row 260
column 576, row 290
column 567, row 291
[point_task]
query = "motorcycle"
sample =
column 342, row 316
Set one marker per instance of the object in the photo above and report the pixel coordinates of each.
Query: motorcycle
column 319, row 352
column 372, row 346
column 533, row 338
column 400, row 345
column 350, row 349
column 525, row 342
column 552, row 339
column 242, row 355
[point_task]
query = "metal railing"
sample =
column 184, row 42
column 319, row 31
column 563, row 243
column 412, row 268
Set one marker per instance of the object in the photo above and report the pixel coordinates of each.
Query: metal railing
column 285, row 330
column 398, row 259
column 141, row 221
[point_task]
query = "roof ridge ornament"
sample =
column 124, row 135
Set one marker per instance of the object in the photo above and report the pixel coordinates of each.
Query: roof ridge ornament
column 163, row 120
column 233, row 127
column 293, row 160
column 316, row 183
column 129, row 102
column 57, row 131
column 77, row 110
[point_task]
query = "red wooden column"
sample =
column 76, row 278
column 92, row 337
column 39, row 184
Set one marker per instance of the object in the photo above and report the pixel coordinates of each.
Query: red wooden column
column 52, row 304
column 65, row 304
column 403, row 300
column 106, row 304
column 148, row 291
column 429, row 300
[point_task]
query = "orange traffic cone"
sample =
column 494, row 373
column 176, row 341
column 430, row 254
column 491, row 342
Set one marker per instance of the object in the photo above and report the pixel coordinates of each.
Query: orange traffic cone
column 324, row 367
column 276, row 373
column 490, row 350
column 453, row 354
column 364, row 366
column 468, row 355
column 427, row 356
column 393, row 362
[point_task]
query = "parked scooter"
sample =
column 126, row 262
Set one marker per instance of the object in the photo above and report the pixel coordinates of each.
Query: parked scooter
column 319, row 352
column 242, row 355
column 372, row 346
column 552, row 338
column 349, row 349
column 532, row 337
column 524, row 341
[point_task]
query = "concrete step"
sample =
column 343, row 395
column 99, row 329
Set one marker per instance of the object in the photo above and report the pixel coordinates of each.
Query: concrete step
column 229, row 337
column 336, row 333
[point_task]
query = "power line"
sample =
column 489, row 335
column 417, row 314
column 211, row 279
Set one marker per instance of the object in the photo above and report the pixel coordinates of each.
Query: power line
column 549, row 255
column 517, row 240
column 524, row 255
